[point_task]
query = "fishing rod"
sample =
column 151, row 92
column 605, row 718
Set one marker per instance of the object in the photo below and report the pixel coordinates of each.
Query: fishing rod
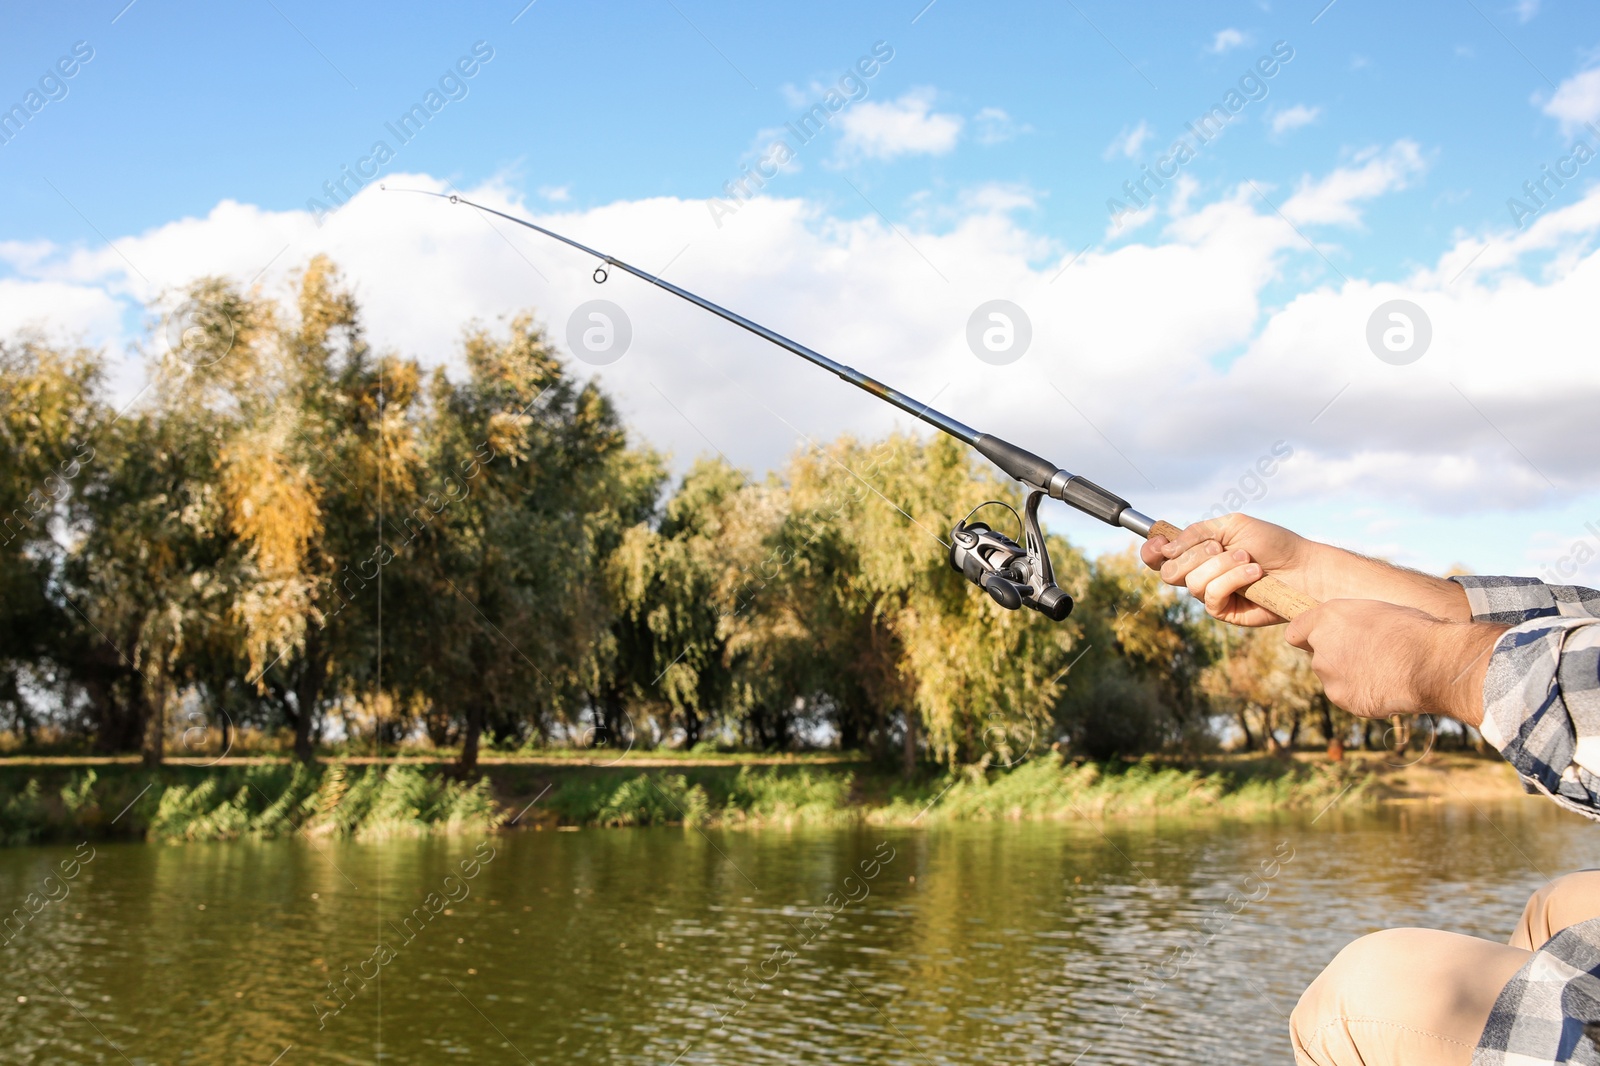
column 1014, row 575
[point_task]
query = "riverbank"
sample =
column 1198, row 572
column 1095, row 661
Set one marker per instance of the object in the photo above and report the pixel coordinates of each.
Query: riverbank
column 263, row 797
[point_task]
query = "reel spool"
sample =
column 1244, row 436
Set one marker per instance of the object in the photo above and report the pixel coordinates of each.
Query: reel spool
column 1012, row 574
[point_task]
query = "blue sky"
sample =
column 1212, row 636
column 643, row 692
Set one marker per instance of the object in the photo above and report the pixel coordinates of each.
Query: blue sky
column 978, row 163
column 185, row 104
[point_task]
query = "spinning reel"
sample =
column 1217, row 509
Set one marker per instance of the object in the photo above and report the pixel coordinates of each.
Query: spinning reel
column 1012, row 574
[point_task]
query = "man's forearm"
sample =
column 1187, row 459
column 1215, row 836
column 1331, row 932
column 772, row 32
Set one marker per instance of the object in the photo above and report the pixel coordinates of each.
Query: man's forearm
column 1453, row 660
column 1335, row 574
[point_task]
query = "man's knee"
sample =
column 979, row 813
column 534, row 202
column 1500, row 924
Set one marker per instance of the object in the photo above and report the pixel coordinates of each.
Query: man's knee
column 1401, row 995
column 1342, row 989
column 1566, row 901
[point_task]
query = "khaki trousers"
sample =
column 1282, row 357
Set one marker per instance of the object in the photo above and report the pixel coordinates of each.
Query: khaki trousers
column 1421, row 996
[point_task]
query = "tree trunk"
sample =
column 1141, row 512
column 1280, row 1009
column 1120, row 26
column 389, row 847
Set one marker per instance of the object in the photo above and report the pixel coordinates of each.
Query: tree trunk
column 1244, row 724
column 153, row 743
column 304, row 750
column 307, row 694
column 437, row 722
column 115, row 695
column 849, row 735
column 469, row 736
column 614, row 718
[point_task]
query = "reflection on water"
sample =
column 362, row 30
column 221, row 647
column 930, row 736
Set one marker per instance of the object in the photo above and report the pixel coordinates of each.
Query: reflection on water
column 962, row 944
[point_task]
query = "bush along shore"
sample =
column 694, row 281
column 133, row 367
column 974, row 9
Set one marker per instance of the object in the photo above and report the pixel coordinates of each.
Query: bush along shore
column 338, row 800
column 1043, row 788
column 177, row 803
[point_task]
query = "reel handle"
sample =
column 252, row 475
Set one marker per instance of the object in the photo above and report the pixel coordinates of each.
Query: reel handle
column 1006, row 593
column 1282, row 600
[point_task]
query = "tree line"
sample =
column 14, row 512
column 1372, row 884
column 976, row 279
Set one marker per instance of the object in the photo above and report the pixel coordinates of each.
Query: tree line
column 292, row 534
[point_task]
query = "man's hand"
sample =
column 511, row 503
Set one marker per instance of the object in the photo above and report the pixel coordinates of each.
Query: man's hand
column 1217, row 558
column 1376, row 659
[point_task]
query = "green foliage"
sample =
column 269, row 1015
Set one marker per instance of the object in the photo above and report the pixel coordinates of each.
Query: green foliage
column 22, row 816
column 249, row 802
column 1112, row 714
column 1039, row 788
column 654, row 799
column 341, row 801
column 775, row 796
column 1046, row 788
column 397, row 801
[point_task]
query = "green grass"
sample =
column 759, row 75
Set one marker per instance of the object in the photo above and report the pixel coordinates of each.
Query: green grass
column 275, row 799
column 1045, row 788
column 1039, row 788
column 229, row 803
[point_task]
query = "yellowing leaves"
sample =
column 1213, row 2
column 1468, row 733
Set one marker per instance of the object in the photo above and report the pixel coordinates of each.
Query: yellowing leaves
column 508, row 435
column 272, row 499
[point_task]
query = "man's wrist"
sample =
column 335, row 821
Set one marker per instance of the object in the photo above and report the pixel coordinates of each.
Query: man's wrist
column 1320, row 569
column 1453, row 659
column 1447, row 600
column 1331, row 573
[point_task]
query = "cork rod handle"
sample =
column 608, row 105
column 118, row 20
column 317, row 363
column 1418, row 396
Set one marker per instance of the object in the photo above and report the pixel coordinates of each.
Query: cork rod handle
column 1282, row 600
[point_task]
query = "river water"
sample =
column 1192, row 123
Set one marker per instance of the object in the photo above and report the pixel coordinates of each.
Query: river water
column 1125, row 942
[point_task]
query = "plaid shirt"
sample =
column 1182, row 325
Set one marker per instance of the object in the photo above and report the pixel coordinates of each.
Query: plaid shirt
column 1541, row 708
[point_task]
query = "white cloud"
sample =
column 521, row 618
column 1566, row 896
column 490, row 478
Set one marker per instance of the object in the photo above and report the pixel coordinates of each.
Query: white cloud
column 1228, row 39
column 1525, row 10
column 1126, row 222
column 1000, row 197
column 796, row 98
column 995, row 125
column 60, row 311
column 1176, row 323
column 1333, row 199
column 1575, row 101
column 1127, row 142
column 1182, row 192
column 1292, row 118
column 556, row 194
column 907, row 126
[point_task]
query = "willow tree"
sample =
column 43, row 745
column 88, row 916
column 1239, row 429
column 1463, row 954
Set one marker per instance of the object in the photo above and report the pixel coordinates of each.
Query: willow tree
column 50, row 411
column 529, row 484
column 674, row 591
column 978, row 681
column 792, row 628
column 732, row 614
column 318, row 445
column 1137, row 690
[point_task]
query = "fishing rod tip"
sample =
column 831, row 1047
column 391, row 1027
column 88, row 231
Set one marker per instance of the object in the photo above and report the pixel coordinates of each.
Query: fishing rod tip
column 383, row 186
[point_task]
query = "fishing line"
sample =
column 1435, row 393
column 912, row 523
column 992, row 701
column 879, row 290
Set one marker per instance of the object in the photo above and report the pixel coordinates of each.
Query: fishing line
column 1014, row 575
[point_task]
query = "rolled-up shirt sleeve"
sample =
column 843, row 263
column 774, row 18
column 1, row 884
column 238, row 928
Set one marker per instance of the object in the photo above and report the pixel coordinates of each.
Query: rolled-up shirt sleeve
column 1541, row 695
